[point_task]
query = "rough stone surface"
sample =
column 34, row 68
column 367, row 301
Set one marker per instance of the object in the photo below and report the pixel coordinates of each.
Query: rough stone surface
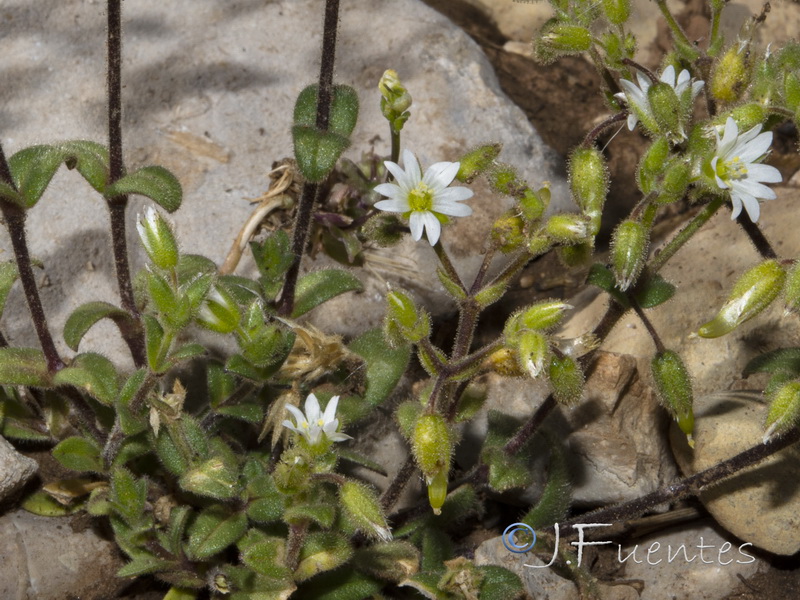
column 760, row 505
column 43, row 558
column 209, row 92
column 705, row 577
column 616, row 447
column 15, row 469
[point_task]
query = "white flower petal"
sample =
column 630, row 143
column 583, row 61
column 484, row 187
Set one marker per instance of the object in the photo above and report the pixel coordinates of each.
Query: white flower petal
column 764, row 173
column 754, row 149
column 453, row 209
column 440, row 175
column 696, row 87
column 398, row 174
column 417, row 224
column 330, row 410
column 632, row 121
column 399, row 205
column 454, row 194
column 312, row 409
column 299, row 417
column 668, row 76
column 729, row 138
column 390, row 190
column 737, row 207
column 752, row 206
column 433, row 228
column 411, row 166
column 754, row 188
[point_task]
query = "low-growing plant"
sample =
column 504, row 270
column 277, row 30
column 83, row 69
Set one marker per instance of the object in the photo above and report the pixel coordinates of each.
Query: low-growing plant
column 239, row 488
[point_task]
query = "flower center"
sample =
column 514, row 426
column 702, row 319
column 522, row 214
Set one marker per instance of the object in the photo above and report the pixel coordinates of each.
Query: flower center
column 421, row 198
column 732, row 169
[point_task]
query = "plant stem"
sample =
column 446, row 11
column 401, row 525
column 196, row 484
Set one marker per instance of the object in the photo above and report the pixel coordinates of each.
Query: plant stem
column 590, row 138
column 15, row 221
column 682, row 42
column 647, row 324
column 297, row 535
column 118, row 204
column 395, row 488
column 447, row 265
column 660, row 259
column 689, row 486
column 757, row 236
column 311, row 191
column 395, row 144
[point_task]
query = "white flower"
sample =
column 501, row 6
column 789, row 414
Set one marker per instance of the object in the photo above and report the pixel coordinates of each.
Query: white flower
column 735, row 167
column 423, row 199
column 314, row 423
column 639, row 105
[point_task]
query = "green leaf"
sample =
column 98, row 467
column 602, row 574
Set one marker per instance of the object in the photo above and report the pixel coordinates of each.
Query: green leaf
column 79, row 454
column 436, row 548
column 86, row 315
column 19, row 422
column 322, row 514
column 153, row 339
column 343, row 111
column 500, row 584
column 362, row 461
column 8, row 193
column 131, row 423
column 322, row 551
column 385, row 367
column 128, row 496
column 177, row 593
column 317, row 151
column 90, row 159
column 155, row 182
column 320, row 286
column 23, row 366
column 554, row 503
column 132, row 447
column 43, row 504
column 220, row 384
column 92, row 373
column 248, row 412
column 273, row 257
column 215, row 478
column 783, row 359
column 656, row 290
column 32, row 169
column 427, row 584
column 505, row 471
column 187, row 352
column 396, row 560
column 602, row 277
column 8, row 275
column 179, row 518
column 146, row 565
column 340, row 585
column 238, row 365
column 214, row 529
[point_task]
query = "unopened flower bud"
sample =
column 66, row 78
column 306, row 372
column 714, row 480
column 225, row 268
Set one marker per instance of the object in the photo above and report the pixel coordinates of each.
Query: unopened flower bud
column 674, row 388
column 617, row 11
column 792, row 289
column 675, row 182
column 629, row 252
column 576, row 255
column 219, row 312
column 543, row 316
column 477, row 161
column 588, row 179
column 403, row 317
column 652, row 165
column 384, row 229
column 395, row 101
column 432, row 445
column 157, row 239
column 732, row 75
column 564, row 38
column 503, row 178
column 752, row 293
column 567, row 380
column 791, row 91
column 539, row 243
column 503, row 361
column 533, row 352
column 363, row 509
column 568, row 228
column 533, row 204
column 784, row 409
column 746, row 116
column 666, row 109
column 508, row 232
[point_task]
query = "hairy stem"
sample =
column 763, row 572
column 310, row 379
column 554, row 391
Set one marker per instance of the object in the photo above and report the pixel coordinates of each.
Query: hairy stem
column 684, row 235
column 757, row 236
column 647, row 325
column 311, row 191
column 398, row 484
column 689, row 486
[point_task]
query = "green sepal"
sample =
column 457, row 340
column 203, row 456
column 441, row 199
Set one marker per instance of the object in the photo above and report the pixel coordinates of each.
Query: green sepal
column 477, row 161
column 214, row 529
column 318, row 287
column 394, row 561
column 154, row 182
column 86, row 315
column 79, row 454
column 23, row 366
column 162, row 295
column 322, row 551
column 94, row 374
column 452, row 288
column 602, row 277
column 407, row 415
column 784, row 408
